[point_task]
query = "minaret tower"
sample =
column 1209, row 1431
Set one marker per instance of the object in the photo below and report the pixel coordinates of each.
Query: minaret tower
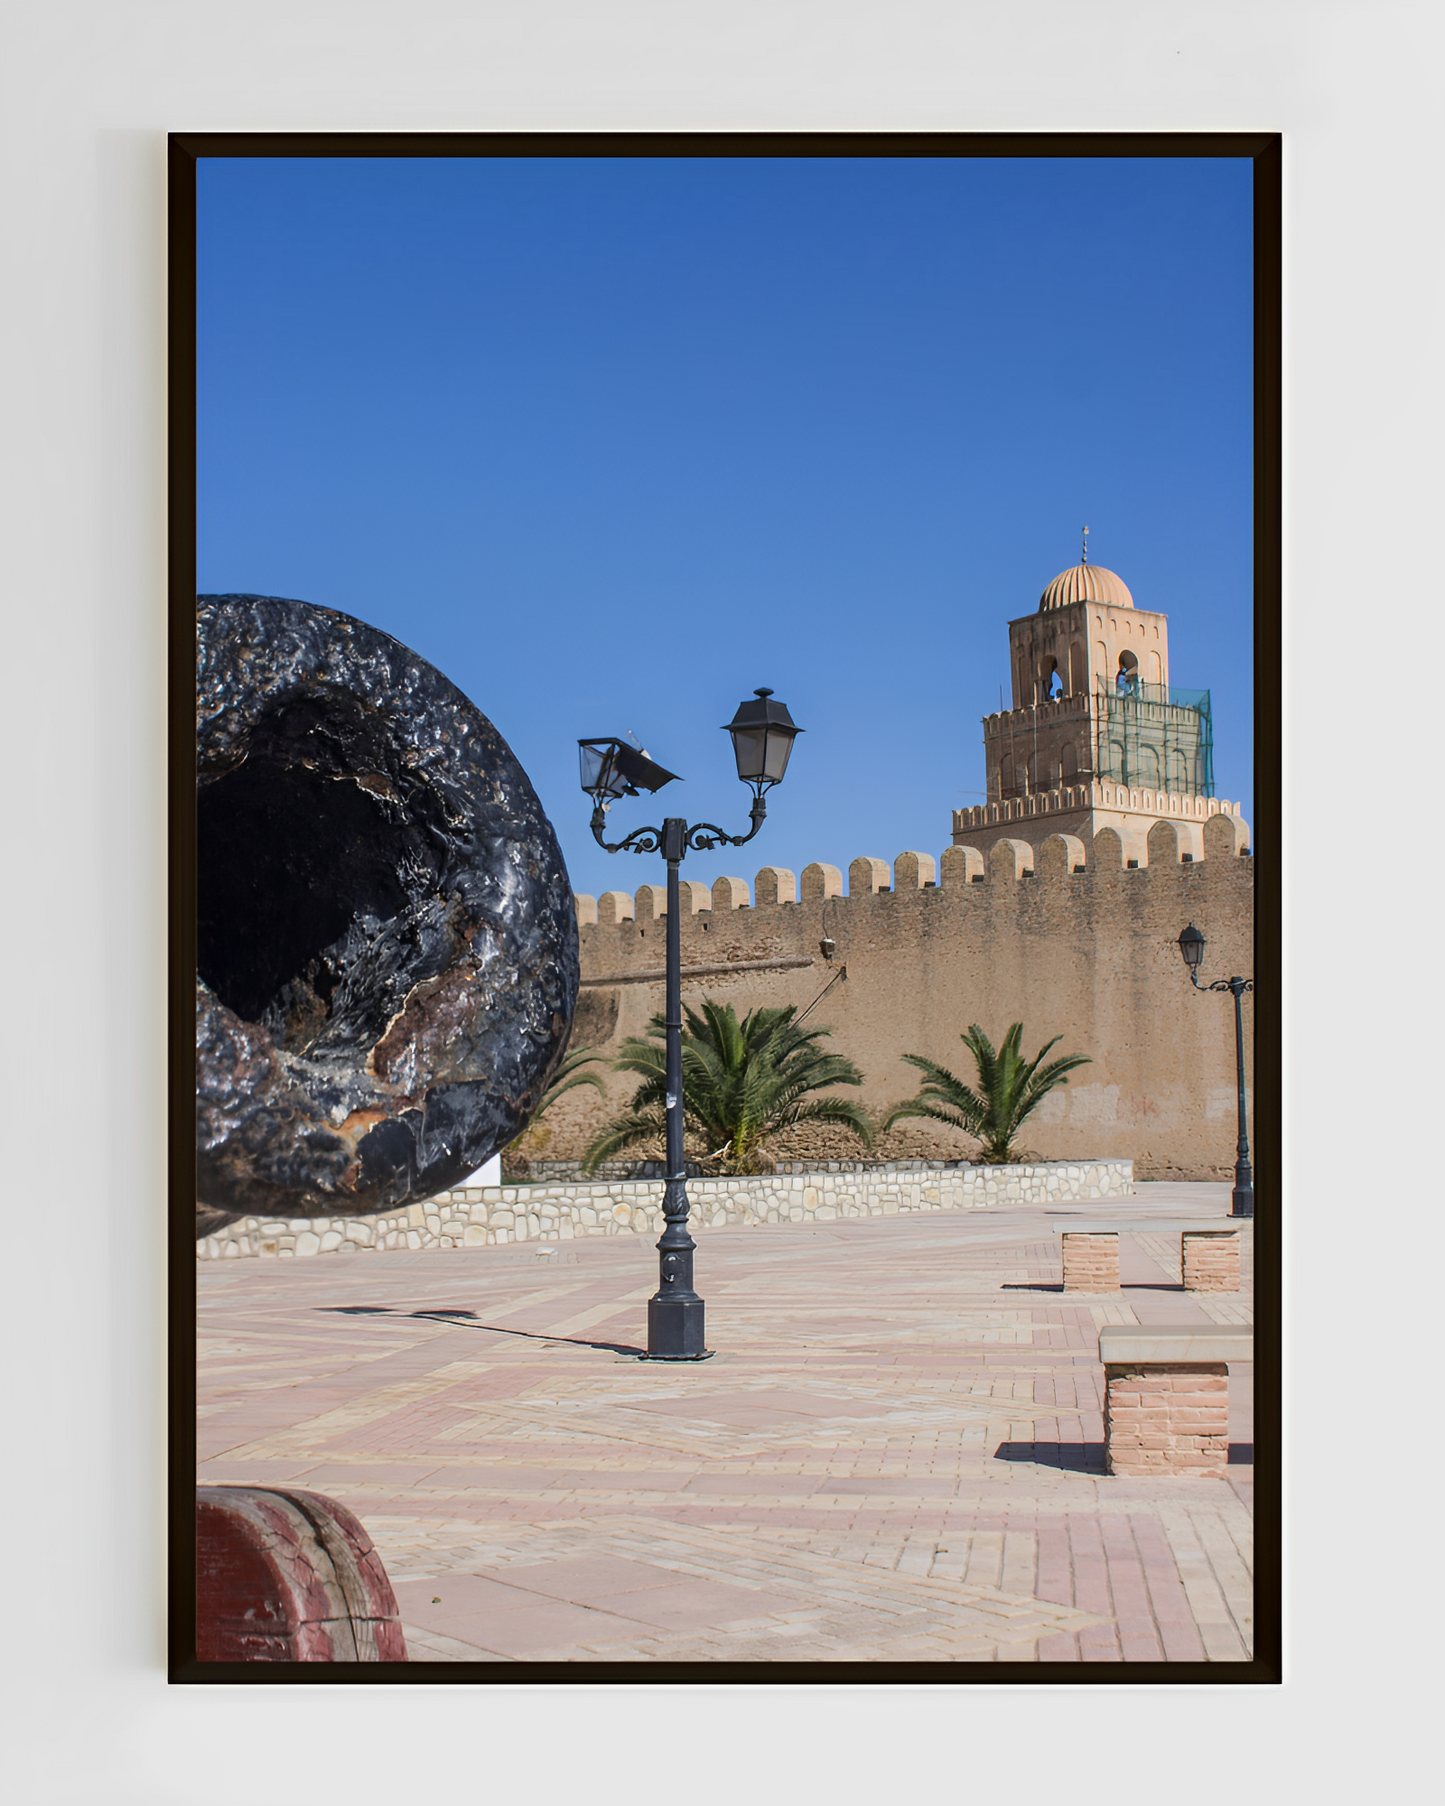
column 1097, row 736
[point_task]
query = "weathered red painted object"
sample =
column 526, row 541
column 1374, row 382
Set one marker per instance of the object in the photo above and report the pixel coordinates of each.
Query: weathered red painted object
column 289, row 1576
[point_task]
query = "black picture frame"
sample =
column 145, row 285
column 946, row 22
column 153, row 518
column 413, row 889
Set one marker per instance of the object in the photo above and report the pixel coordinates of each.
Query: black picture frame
column 1265, row 150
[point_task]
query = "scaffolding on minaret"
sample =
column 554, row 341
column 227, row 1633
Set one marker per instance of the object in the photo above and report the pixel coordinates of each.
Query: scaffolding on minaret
column 1155, row 737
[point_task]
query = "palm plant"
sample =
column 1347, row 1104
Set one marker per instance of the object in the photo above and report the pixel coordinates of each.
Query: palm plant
column 1010, row 1089
column 569, row 1075
column 742, row 1082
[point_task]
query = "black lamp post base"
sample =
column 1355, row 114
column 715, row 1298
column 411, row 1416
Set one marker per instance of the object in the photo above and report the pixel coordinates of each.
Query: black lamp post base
column 675, row 1329
column 1241, row 1201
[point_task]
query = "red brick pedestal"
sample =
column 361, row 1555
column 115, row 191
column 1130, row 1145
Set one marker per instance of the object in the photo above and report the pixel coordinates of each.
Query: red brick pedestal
column 1167, row 1419
column 1211, row 1260
column 289, row 1576
column 1091, row 1262
column 1166, row 1395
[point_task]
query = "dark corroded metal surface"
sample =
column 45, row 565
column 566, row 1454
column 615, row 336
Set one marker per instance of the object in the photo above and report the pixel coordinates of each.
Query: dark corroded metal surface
column 387, row 950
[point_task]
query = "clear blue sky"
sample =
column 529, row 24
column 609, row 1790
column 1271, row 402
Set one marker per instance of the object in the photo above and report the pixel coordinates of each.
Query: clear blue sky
column 612, row 441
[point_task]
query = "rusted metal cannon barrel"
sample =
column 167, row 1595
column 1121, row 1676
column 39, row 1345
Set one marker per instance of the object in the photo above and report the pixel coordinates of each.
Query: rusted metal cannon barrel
column 387, row 950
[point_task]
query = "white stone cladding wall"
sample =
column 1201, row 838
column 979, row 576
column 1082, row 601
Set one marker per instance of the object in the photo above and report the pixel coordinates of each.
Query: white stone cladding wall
column 488, row 1216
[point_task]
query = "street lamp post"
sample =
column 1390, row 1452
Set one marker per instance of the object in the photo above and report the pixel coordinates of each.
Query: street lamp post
column 763, row 735
column 1191, row 945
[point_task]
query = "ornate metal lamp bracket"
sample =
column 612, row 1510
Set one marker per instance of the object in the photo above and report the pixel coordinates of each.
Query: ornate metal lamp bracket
column 1234, row 985
column 701, row 837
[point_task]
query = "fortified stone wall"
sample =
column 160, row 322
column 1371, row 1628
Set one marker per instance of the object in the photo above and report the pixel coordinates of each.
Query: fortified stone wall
column 1068, row 940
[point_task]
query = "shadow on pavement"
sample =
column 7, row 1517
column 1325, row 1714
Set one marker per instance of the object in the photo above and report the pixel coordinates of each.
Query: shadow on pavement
column 460, row 1319
column 1074, row 1457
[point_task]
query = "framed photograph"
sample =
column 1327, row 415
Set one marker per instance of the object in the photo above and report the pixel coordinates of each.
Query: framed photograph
column 725, row 908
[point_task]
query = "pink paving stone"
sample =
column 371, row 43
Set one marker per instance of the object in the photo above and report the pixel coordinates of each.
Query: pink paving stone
column 1182, row 1642
column 251, row 1473
column 481, row 1474
column 340, row 1473
column 586, row 1576
column 697, row 1605
column 528, row 1629
column 455, row 1595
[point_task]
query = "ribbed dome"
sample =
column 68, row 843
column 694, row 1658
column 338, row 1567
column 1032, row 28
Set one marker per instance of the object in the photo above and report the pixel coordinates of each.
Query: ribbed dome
column 1086, row 583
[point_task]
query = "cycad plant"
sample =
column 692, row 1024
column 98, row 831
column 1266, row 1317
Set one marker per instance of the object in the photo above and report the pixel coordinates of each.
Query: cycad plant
column 742, row 1082
column 1010, row 1089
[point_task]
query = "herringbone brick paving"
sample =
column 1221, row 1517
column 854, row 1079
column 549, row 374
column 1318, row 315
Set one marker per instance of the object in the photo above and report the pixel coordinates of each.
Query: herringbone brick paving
column 896, row 1454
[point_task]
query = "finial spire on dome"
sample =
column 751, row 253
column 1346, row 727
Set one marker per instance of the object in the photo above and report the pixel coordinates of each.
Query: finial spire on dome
column 1084, row 556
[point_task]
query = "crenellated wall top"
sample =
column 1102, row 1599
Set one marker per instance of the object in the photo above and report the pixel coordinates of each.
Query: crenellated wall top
column 1060, row 858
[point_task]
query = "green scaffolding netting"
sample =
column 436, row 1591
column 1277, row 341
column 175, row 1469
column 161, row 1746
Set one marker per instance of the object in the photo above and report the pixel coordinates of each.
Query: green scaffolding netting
column 1156, row 737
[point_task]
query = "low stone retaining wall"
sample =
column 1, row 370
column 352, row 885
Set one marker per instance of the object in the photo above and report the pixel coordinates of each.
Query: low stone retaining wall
column 569, row 1172
column 491, row 1215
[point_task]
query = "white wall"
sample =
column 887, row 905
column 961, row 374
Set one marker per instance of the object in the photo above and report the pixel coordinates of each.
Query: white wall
column 89, row 86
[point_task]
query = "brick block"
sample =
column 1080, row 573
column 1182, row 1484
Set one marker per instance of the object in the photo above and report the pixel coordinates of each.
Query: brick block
column 289, row 1576
column 1091, row 1262
column 1166, row 1419
column 1210, row 1260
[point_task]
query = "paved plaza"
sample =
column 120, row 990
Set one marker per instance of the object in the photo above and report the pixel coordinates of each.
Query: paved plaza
column 895, row 1455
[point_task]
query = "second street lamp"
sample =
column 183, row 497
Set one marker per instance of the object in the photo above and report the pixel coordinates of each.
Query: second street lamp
column 763, row 735
column 1191, row 945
